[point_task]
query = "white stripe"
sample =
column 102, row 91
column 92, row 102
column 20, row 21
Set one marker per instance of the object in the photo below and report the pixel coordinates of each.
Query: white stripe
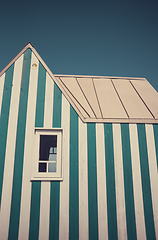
column 48, row 111
column 119, row 183
column 101, row 183
column 44, row 211
column 10, row 151
column 137, row 184
column 2, row 78
column 64, row 185
column 27, row 164
column 45, row 186
column 83, row 182
column 153, row 172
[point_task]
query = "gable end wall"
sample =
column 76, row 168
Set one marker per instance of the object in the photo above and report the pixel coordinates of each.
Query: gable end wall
column 109, row 187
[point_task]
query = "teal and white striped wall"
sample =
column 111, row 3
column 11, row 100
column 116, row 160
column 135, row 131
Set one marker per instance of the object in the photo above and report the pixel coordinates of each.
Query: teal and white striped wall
column 110, row 174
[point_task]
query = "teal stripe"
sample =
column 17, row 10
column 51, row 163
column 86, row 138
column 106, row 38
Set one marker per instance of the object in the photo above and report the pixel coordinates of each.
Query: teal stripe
column 110, row 182
column 155, row 126
column 34, row 212
column 4, row 117
column 128, row 183
column 40, row 96
column 92, row 182
column 57, row 106
column 147, row 201
column 54, row 211
column 74, row 185
column 55, row 185
column 36, row 186
column 19, row 149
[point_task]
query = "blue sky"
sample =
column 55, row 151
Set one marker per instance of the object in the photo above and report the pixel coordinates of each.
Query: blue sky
column 110, row 38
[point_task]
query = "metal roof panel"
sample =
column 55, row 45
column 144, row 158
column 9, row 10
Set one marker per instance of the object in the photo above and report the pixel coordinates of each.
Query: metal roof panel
column 109, row 101
column 133, row 104
column 148, row 94
column 87, row 86
column 75, row 90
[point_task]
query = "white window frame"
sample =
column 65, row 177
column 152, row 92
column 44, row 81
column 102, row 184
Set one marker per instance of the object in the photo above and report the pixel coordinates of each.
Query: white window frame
column 53, row 176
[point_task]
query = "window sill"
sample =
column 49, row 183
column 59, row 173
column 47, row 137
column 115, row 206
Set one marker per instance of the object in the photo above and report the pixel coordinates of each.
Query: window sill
column 46, row 179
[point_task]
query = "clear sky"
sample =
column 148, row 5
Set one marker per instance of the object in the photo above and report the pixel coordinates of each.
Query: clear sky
column 110, row 38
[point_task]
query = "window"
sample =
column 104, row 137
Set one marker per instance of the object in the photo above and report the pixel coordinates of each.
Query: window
column 47, row 154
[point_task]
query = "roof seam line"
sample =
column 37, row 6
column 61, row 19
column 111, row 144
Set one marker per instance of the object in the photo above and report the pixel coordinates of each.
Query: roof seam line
column 72, row 103
column 97, row 97
column 74, row 98
column 142, row 99
column 85, row 97
column 119, row 98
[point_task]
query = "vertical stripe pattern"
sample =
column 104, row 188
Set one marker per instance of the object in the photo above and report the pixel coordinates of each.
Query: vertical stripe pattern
column 4, row 120
column 19, row 148
column 109, row 171
column 73, row 192
column 110, row 182
column 64, row 185
column 2, row 78
column 128, row 183
column 54, row 211
column 45, row 186
column 148, row 209
column 40, row 96
column 119, row 183
column 57, row 107
column 152, row 172
column 83, row 182
column 92, row 182
column 10, row 150
column 55, row 186
column 35, row 209
column 101, row 183
column 155, row 126
column 28, row 156
column 36, row 186
column 137, row 183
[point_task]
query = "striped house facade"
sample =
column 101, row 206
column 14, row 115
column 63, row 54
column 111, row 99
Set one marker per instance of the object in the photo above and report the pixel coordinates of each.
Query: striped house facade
column 109, row 168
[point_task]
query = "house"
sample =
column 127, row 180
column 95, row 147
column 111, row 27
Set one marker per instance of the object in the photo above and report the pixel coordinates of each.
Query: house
column 78, row 155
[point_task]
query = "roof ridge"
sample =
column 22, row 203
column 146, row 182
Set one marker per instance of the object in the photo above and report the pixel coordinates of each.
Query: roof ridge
column 100, row 77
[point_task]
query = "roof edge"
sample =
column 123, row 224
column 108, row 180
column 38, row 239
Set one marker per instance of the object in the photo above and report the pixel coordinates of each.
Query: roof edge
column 121, row 120
column 59, row 84
column 105, row 77
column 28, row 45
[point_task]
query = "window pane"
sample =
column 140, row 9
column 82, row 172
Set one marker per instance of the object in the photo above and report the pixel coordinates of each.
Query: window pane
column 47, row 143
column 42, row 167
column 51, row 167
column 55, row 150
column 52, row 157
column 51, row 150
